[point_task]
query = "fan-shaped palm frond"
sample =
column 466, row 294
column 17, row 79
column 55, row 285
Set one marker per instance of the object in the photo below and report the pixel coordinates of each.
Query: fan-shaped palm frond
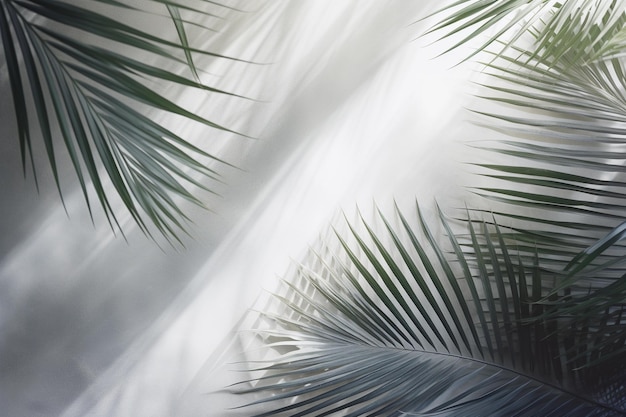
column 383, row 324
column 80, row 75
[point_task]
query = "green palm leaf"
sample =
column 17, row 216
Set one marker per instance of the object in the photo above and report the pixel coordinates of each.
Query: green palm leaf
column 94, row 102
column 565, row 139
column 558, row 27
column 371, row 326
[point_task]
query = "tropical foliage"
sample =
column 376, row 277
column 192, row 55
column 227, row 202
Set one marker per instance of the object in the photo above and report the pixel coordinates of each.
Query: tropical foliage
column 75, row 75
column 516, row 308
column 527, row 319
column 380, row 323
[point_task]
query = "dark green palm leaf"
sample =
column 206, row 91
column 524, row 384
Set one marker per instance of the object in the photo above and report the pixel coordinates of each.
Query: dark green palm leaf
column 368, row 332
column 564, row 184
column 94, row 101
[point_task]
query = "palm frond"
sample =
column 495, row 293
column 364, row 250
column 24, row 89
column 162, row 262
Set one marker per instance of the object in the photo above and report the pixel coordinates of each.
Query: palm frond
column 599, row 25
column 65, row 84
column 563, row 187
column 383, row 321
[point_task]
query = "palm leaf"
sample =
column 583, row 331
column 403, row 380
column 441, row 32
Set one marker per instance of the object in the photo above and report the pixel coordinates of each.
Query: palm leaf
column 95, row 102
column 365, row 332
column 563, row 187
column 558, row 26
